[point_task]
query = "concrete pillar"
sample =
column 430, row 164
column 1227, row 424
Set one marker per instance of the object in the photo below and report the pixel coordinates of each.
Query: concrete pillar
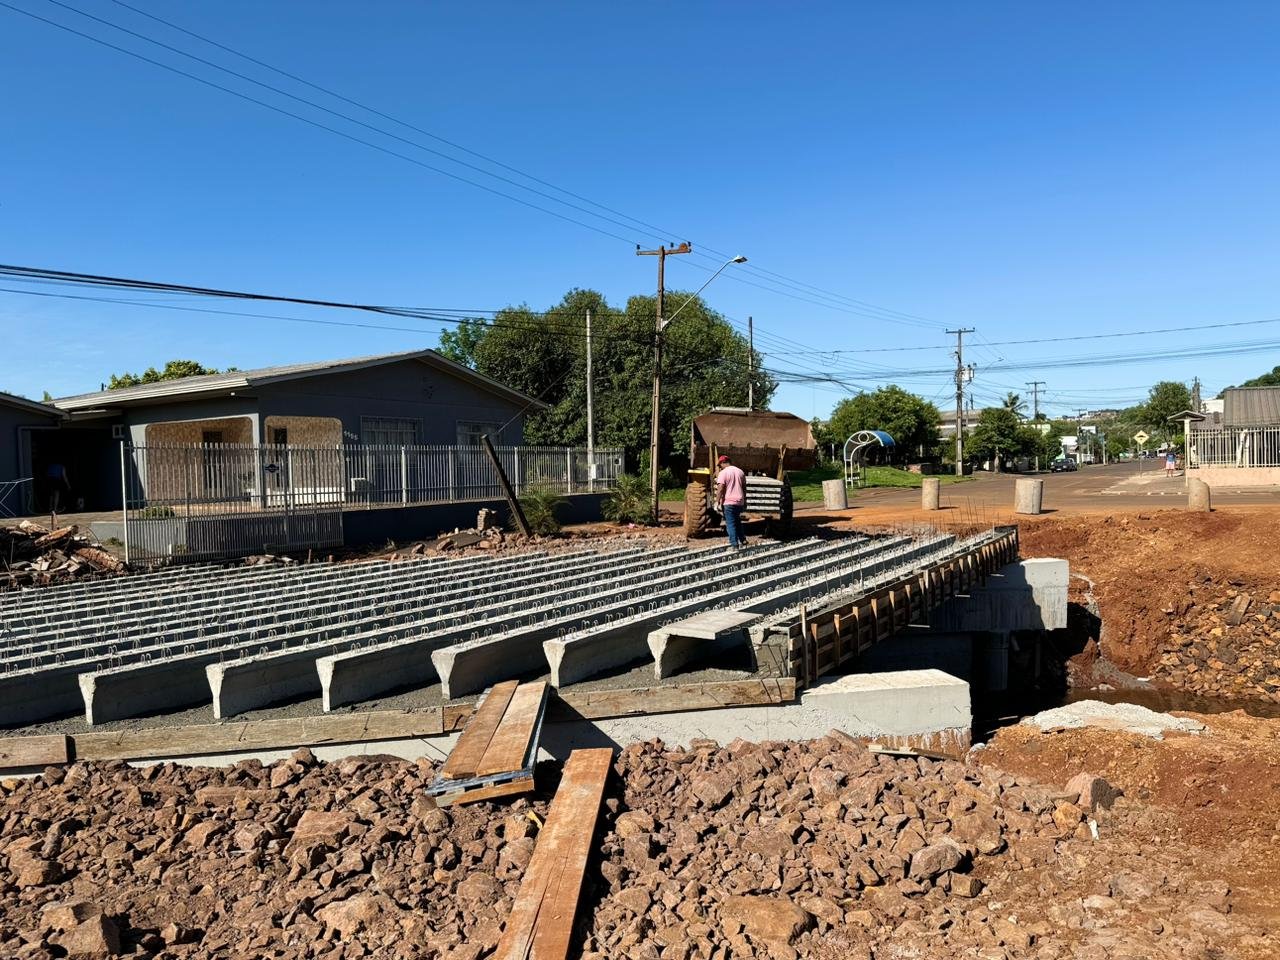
column 931, row 493
column 834, row 494
column 1028, row 496
column 1198, row 496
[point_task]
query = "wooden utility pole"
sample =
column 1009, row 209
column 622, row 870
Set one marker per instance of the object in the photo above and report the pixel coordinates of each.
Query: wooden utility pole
column 591, row 419
column 751, row 364
column 517, row 512
column 1035, row 386
column 661, row 253
column 960, row 382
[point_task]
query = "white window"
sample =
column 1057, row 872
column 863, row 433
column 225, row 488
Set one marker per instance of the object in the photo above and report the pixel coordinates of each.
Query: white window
column 393, row 431
column 470, row 432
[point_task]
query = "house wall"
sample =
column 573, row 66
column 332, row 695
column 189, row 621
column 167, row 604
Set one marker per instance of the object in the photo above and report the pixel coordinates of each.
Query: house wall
column 1233, row 477
column 15, row 452
column 304, row 431
column 410, row 389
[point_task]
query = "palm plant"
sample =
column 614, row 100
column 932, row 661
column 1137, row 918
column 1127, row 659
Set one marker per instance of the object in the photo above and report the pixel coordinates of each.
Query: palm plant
column 629, row 501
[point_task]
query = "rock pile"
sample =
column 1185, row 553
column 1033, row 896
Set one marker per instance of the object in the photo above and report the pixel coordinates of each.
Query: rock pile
column 33, row 555
column 784, row 849
column 1223, row 642
column 296, row 860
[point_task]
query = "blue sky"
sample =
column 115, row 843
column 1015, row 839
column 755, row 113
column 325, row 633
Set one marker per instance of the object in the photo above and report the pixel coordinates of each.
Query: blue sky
column 1030, row 170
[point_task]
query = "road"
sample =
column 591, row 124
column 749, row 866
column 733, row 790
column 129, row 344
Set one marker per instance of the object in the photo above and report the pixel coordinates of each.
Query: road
column 1095, row 489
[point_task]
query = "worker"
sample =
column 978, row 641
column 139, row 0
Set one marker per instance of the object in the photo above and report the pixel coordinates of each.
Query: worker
column 731, row 496
column 59, row 483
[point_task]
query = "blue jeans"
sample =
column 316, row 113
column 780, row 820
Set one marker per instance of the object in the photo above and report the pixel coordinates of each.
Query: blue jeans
column 733, row 523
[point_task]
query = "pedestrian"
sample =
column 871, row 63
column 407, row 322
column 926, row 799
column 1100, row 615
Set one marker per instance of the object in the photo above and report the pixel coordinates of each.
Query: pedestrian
column 59, row 482
column 1170, row 463
column 731, row 496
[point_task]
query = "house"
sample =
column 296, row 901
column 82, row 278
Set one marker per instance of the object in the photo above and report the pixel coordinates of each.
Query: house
column 396, row 399
column 1239, row 443
column 947, row 422
column 20, row 418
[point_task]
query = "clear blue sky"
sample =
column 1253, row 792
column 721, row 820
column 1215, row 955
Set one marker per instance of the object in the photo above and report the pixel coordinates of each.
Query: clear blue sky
column 1032, row 170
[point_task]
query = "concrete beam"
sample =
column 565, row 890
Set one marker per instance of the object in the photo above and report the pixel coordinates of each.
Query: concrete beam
column 707, row 633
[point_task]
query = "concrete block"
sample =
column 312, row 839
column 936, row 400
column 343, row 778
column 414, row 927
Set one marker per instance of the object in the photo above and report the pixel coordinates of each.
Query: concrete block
column 1027, row 595
column 899, row 707
column 707, row 633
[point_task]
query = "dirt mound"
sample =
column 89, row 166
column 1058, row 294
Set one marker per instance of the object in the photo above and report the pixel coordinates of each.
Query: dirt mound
column 1144, row 565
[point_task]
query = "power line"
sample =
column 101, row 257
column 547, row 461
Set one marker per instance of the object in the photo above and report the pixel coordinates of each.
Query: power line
column 889, row 315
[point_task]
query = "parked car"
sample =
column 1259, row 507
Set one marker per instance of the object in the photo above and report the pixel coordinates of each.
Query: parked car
column 1063, row 465
column 1087, row 459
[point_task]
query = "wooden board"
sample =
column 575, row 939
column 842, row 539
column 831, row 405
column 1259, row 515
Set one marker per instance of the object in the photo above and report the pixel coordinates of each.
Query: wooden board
column 712, row 695
column 464, row 759
column 541, row 921
column 34, row 751
column 510, row 744
column 282, row 734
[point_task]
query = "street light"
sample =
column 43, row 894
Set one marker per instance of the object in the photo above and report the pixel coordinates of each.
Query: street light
column 660, row 324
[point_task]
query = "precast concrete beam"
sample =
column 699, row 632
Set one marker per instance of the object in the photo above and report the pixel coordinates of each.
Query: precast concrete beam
column 27, row 697
column 119, row 693
column 576, row 658
column 697, row 637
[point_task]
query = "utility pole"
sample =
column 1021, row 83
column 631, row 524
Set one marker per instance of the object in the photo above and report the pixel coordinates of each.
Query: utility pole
column 591, row 420
column 1195, row 395
column 961, row 379
column 1035, row 386
column 751, row 364
column 661, row 253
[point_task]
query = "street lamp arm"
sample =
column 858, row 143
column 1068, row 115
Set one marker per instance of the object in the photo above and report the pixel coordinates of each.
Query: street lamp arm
column 667, row 320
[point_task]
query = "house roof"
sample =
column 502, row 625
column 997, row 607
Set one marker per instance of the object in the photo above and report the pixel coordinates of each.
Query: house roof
column 218, row 383
column 1251, row 406
column 31, row 406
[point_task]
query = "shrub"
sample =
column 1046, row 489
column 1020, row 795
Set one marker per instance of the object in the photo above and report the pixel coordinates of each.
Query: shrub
column 540, row 505
column 629, row 501
column 157, row 513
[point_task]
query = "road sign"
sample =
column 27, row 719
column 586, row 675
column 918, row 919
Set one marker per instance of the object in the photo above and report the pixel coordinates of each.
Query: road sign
column 1140, row 438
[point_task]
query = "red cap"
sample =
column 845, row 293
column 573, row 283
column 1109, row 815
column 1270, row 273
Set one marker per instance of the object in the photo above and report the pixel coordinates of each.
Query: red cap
column 723, row 460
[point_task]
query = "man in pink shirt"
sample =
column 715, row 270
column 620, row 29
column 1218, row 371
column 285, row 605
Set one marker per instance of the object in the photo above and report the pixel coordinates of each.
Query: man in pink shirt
column 731, row 495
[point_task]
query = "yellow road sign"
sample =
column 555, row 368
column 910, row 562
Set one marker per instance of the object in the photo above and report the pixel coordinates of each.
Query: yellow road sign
column 1140, row 437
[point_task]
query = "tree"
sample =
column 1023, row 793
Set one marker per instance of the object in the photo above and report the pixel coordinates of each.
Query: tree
column 1013, row 402
column 910, row 420
column 543, row 354
column 173, row 370
column 1000, row 434
column 1271, row 379
column 1164, row 400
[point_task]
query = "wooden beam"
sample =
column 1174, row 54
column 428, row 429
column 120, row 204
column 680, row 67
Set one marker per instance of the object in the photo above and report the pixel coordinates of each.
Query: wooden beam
column 34, row 751
column 541, row 921
column 599, row 704
column 158, row 742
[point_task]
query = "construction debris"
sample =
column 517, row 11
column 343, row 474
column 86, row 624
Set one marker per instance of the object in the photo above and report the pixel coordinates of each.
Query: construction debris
column 1223, row 642
column 33, row 555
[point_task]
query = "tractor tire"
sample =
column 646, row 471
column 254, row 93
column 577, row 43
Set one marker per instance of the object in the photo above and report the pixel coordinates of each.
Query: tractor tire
column 781, row 525
column 697, row 511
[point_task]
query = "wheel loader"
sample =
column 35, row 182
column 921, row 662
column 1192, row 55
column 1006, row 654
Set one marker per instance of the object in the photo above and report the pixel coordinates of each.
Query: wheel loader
column 764, row 446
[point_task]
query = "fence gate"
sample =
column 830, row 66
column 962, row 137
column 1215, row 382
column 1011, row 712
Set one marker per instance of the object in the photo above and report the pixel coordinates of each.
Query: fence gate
column 216, row 500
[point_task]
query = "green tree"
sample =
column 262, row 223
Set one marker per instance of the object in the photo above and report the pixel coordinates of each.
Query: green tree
column 1271, row 379
column 912, row 421
column 173, row 370
column 543, row 353
column 1014, row 403
column 999, row 434
column 1164, row 400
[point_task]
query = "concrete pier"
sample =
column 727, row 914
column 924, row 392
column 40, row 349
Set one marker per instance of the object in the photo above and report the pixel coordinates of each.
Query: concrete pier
column 699, row 636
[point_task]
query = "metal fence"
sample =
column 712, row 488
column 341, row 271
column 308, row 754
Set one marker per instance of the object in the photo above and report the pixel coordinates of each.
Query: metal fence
column 1234, row 447
column 206, row 501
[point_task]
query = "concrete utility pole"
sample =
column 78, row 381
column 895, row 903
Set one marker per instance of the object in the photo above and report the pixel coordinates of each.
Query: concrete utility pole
column 591, row 419
column 1035, row 386
column 960, row 382
column 1195, row 396
column 661, row 253
column 751, row 364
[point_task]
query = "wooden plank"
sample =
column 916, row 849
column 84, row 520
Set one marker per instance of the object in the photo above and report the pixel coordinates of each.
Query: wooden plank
column 464, row 758
column 541, row 921
column 455, row 716
column 458, row 797
column 34, row 751
column 510, row 744
column 598, row 704
column 201, row 739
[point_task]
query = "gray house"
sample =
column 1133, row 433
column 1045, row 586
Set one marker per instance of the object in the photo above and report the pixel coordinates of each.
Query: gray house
column 417, row 397
column 20, row 419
